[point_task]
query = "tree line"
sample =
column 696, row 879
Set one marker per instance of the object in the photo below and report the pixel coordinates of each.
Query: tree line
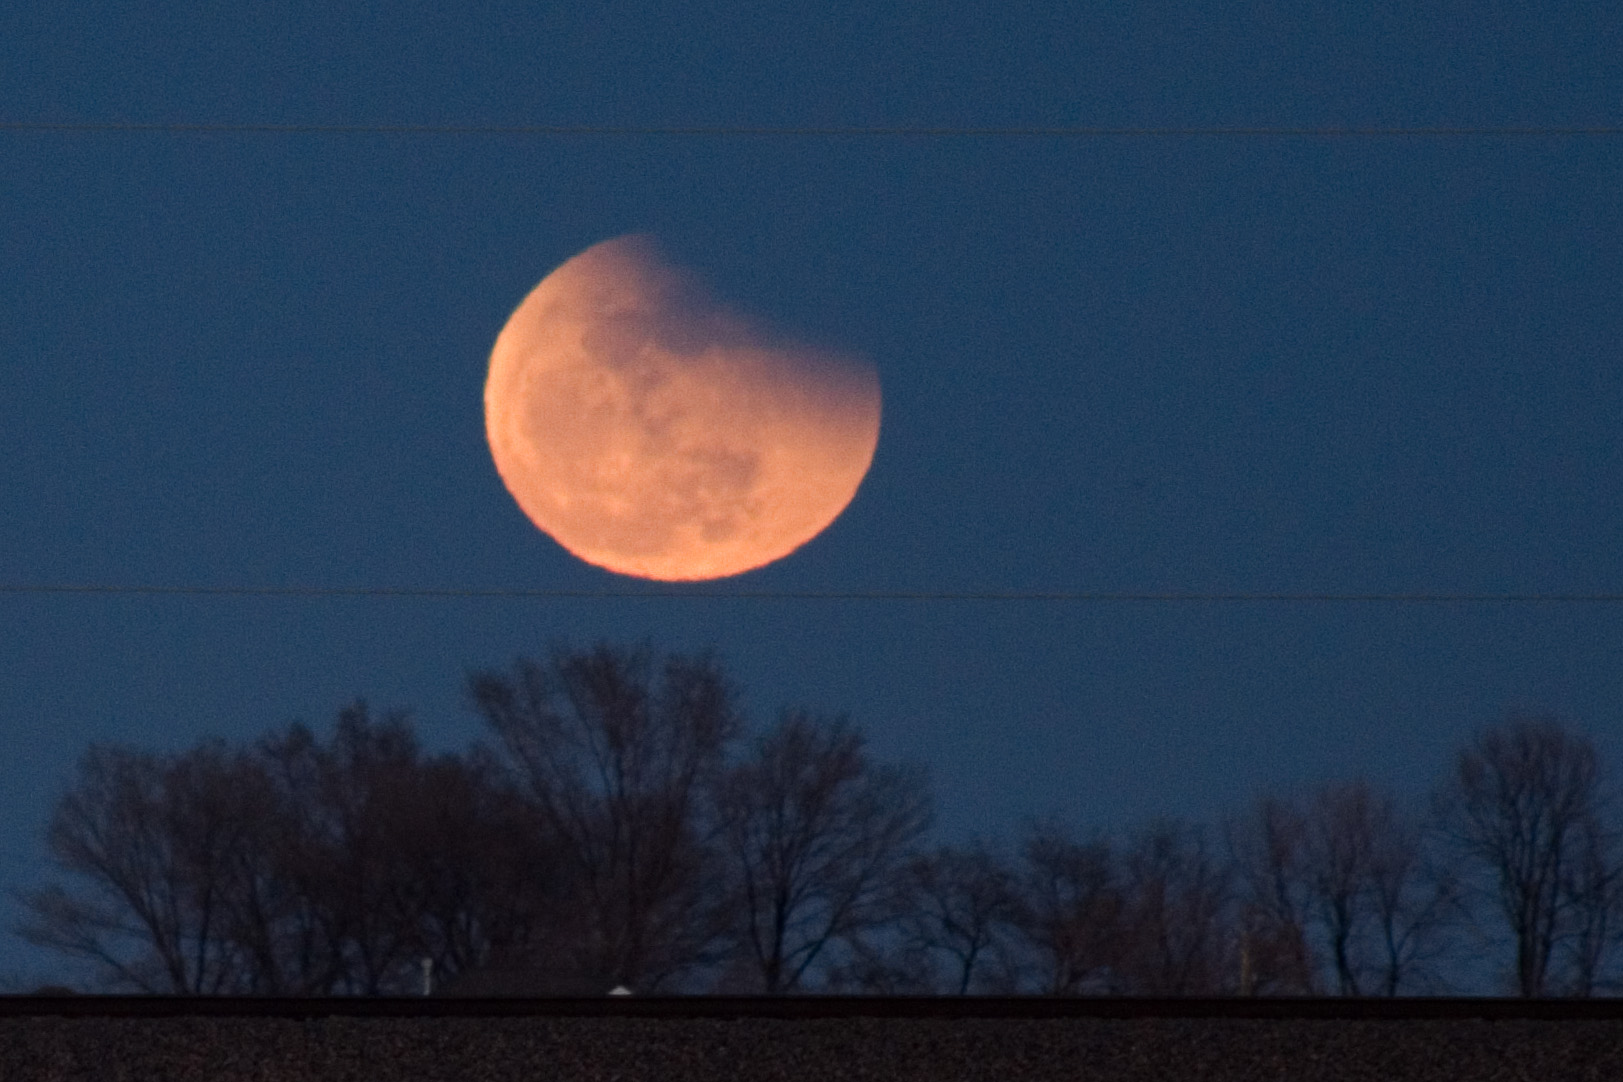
column 625, row 826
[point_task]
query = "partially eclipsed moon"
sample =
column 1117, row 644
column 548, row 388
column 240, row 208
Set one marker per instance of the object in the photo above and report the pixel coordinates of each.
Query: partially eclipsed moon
column 653, row 433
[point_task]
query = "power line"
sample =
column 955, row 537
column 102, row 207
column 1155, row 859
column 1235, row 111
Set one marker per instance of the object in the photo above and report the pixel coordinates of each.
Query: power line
column 91, row 127
column 713, row 594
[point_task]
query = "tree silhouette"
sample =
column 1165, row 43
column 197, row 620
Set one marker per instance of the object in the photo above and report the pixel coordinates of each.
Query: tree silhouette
column 959, row 905
column 1525, row 805
column 1380, row 899
column 150, row 842
column 292, row 867
column 622, row 831
column 620, row 754
column 1268, row 849
column 1177, row 914
column 1068, row 911
column 816, row 834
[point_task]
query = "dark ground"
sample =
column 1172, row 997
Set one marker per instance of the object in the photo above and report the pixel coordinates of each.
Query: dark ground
column 627, row 1049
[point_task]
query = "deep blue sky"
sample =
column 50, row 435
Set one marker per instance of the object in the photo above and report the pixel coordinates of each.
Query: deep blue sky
column 1153, row 363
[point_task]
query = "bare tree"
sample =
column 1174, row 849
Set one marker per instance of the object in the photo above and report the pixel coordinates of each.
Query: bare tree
column 296, row 866
column 960, row 902
column 1177, row 914
column 373, row 841
column 148, row 840
column 1343, row 883
column 1267, row 849
column 1417, row 906
column 1381, row 903
column 1524, row 804
column 817, row 834
column 1337, row 858
column 1593, row 888
column 489, row 895
column 346, row 890
column 1068, row 911
column 618, row 754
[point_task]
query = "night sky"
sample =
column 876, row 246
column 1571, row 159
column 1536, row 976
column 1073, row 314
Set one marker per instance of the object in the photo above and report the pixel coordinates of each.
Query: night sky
column 1207, row 363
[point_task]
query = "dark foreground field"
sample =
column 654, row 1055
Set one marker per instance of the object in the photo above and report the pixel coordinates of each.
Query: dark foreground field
column 110, row 1040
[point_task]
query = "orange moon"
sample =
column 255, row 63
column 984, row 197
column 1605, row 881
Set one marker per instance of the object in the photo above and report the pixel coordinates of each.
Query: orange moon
column 654, row 433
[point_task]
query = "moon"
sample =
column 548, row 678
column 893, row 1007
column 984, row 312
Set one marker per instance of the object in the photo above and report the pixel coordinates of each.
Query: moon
column 653, row 432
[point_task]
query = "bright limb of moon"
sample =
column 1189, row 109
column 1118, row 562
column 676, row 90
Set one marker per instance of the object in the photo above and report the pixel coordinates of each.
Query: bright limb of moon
column 653, row 433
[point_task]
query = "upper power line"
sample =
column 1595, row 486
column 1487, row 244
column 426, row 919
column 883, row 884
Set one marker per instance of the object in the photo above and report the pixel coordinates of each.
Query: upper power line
column 711, row 593
column 809, row 131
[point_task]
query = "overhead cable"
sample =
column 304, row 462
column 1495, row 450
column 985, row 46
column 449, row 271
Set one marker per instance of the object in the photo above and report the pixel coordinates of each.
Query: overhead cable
column 677, row 592
column 1057, row 131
